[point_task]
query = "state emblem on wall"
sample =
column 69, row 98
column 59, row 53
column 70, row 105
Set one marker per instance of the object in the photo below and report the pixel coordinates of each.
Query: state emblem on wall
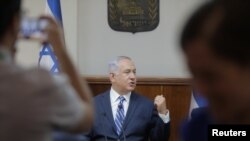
column 133, row 15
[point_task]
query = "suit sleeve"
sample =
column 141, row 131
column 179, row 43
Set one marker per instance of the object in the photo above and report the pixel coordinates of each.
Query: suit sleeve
column 159, row 130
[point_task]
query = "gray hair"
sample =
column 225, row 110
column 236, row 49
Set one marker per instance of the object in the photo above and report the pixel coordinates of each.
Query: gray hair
column 114, row 65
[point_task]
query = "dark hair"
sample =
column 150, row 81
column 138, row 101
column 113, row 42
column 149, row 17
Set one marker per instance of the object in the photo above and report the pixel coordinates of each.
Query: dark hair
column 8, row 9
column 231, row 39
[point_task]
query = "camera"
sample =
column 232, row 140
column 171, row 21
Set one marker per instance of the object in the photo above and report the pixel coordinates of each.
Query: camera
column 32, row 27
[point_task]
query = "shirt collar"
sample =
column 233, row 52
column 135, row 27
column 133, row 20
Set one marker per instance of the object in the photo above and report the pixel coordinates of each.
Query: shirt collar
column 114, row 95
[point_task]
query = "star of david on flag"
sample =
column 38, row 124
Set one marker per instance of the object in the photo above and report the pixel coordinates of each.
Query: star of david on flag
column 47, row 58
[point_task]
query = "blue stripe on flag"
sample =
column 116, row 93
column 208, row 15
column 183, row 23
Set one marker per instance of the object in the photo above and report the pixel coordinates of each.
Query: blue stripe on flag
column 201, row 101
column 55, row 8
column 46, row 50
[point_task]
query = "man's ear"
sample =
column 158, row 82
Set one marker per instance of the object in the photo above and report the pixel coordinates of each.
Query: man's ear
column 111, row 77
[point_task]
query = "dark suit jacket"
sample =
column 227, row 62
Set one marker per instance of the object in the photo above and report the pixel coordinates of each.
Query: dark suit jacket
column 141, row 122
column 197, row 128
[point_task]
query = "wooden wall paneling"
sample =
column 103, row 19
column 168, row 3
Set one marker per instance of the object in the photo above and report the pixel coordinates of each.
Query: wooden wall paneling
column 99, row 88
column 178, row 102
column 149, row 91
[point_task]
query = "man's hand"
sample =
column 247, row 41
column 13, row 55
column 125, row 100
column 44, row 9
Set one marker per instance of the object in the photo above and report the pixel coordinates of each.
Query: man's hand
column 53, row 32
column 160, row 103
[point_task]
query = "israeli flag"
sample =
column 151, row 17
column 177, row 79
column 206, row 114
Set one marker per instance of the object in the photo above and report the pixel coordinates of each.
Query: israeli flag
column 197, row 101
column 47, row 58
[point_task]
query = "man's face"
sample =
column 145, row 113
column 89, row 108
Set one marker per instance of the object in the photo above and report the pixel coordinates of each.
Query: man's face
column 225, row 84
column 124, row 79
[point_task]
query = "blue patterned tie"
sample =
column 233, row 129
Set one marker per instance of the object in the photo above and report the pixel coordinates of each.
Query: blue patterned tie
column 120, row 115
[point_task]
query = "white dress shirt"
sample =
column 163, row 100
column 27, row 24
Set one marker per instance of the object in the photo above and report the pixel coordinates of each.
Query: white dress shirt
column 115, row 101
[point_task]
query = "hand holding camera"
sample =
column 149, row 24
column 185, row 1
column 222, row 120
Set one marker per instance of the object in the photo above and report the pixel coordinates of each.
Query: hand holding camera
column 44, row 29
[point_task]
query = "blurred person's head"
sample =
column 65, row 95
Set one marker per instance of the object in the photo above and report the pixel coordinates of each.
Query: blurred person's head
column 9, row 25
column 122, row 74
column 216, row 43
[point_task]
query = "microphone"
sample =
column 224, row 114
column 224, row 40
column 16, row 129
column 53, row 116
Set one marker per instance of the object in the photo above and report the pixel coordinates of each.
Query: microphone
column 102, row 126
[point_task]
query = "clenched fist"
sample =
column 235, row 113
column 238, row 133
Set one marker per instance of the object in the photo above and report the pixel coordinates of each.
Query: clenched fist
column 160, row 103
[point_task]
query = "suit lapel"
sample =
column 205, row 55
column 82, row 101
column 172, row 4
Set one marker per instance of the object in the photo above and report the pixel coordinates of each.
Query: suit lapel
column 131, row 109
column 108, row 110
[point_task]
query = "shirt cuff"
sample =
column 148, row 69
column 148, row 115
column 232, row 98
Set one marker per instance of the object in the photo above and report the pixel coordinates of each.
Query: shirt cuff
column 165, row 118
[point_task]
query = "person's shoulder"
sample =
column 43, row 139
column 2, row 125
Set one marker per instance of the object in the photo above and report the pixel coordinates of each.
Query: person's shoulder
column 101, row 95
column 196, row 128
column 37, row 72
column 37, row 76
column 18, row 71
column 140, row 98
column 41, row 79
column 25, row 76
column 199, row 118
column 199, row 114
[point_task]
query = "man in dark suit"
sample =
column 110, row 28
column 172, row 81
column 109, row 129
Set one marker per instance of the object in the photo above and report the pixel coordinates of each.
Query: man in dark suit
column 125, row 115
column 215, row 41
